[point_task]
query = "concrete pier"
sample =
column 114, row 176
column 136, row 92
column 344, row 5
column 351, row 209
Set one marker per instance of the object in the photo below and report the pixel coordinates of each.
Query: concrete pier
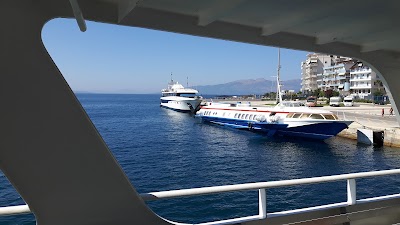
column 369, row 116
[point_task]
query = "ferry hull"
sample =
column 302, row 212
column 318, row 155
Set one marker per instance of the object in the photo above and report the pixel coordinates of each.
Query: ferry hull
column 318, row 131
column 179, row 105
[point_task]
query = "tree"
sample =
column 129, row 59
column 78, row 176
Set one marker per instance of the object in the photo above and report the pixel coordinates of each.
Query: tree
column 378, row 93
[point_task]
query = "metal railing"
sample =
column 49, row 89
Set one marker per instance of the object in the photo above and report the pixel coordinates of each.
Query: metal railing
column 261, row 187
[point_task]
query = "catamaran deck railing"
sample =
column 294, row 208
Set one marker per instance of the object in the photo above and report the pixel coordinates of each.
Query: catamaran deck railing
column 261, row 187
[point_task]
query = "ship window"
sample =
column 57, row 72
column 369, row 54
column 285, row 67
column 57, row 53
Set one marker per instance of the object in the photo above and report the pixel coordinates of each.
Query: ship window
column 290, row 115
column 316, row 116
column 235, row 115
column 329, row 117
column 334, row 116
column 247, row 116
column 304, row 115
column 223, row 114
column 296, row 115
column 242, row 117
column 239, row 116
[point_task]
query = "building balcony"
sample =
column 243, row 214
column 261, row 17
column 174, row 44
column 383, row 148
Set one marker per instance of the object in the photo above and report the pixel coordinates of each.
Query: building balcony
column 361, row 87
column 329, row 72
column 361, row 70
column 361, row 79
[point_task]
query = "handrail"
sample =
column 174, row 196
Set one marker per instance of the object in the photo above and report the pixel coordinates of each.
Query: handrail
column 14, row 210
column 261, row 185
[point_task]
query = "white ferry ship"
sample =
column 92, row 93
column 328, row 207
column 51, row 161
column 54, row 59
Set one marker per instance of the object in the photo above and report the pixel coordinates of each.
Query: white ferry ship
column 286, row 119
column 179, row 98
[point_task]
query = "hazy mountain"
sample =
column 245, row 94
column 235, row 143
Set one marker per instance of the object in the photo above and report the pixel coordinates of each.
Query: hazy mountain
column 249, row 86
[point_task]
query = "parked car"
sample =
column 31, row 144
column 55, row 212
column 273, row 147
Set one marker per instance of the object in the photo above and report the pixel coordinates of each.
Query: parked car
column 335, row 101
column 311, row 101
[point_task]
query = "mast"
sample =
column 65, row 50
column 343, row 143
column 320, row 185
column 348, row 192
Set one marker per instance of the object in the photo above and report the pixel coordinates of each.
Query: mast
column 278, row 81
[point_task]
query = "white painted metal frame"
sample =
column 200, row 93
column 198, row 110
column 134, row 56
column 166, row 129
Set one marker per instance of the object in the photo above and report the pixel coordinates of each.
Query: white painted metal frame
column 261, row 187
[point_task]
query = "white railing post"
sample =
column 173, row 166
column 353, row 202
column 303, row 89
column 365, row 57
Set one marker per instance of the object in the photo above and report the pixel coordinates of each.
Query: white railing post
column 351, row 191
column 262, row 203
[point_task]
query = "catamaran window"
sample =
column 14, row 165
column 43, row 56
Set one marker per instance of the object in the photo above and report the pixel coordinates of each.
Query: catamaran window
column 329, row 116
column 304, row 115
column 187, row 95
column 296, row 115
column 317, row 116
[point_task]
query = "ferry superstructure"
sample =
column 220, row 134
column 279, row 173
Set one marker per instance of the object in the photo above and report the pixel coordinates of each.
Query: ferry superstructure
column 179, row 98
column 55, row 158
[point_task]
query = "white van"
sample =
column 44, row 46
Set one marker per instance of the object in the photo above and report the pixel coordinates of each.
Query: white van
column 348, row 101
column 335, row 101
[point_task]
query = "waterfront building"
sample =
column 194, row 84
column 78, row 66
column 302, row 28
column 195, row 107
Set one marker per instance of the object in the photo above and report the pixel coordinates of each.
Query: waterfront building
column 364, row 82
column 311, row 68
column 337, row 76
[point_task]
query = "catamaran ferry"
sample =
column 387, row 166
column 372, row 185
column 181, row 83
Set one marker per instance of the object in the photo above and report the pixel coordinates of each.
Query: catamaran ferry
column 285, row 119
column 179, row 98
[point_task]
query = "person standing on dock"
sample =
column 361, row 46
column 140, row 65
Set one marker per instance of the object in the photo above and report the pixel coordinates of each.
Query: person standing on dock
column 391, row 111
column 383, row 112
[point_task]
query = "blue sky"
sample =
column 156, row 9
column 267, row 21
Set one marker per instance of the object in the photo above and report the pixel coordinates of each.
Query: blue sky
column 118, row 59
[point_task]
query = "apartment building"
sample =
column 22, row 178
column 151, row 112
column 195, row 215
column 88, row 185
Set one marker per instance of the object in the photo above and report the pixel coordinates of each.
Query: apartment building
column 342, row 74
column 337, row 76
column 364, row 82
column 310, row 68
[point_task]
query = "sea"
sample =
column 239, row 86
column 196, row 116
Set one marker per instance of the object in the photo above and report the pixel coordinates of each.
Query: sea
column 160, row 149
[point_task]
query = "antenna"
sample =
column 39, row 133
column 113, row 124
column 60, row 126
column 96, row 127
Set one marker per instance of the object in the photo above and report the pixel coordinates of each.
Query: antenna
column 171, row 77
column 187, row 81
column 278, row 81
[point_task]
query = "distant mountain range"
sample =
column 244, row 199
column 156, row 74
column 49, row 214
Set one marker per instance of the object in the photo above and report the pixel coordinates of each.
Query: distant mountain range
column 249, row 86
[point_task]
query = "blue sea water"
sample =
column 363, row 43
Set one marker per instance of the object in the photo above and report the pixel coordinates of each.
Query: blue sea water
column 160, row 149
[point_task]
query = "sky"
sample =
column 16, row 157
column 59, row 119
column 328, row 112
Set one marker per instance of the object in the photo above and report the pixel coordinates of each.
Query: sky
column 119, row 59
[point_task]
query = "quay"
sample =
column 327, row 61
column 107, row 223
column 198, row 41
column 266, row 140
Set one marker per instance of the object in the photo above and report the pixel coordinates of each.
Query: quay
column 364, row 115
column 369, row 116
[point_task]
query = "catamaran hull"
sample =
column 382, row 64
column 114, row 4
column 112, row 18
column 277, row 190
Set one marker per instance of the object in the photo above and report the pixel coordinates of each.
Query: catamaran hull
column 319, row 131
